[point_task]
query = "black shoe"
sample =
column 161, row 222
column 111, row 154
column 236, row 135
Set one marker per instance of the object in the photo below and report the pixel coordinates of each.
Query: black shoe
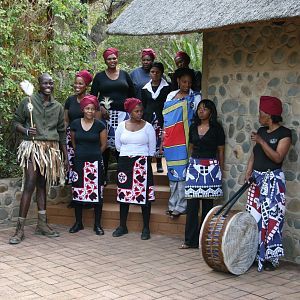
column 168, row 212
column 159, row 168
column 120, row 231
column 99, row 230
column 268, row 266
column 145, row 234
column 76, row 227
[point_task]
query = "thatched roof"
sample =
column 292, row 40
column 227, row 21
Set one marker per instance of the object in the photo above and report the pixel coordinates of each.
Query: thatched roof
column 149, row 17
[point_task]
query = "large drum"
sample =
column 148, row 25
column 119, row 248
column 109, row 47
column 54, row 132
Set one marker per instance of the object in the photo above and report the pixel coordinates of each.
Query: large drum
column 229, row 243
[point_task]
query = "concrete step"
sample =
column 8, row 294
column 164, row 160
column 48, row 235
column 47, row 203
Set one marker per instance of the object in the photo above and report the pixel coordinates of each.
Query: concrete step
column 159, row 221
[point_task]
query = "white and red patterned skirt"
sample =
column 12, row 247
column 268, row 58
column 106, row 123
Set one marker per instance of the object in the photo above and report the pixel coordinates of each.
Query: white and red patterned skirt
column 87, row 182
column 135, row 180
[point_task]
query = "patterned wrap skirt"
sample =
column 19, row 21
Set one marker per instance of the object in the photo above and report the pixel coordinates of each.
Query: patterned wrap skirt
column 203, row 179
column 266, row 203
column 115, row 118
column 87, row 183
column 71, row 155
column 135, row 180
column 158, row 133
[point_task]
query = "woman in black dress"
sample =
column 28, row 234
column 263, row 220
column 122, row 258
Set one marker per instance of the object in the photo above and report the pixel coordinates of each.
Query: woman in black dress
column 154, row 95
column 206, row 165
column 112, row 87
column 72, row 111
column 89, row 139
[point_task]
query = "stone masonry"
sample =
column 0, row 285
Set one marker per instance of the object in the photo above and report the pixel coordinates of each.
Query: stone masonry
column 240, row 65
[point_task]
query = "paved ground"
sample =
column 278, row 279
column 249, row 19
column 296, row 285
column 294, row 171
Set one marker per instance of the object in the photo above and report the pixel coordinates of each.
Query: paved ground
column 86, row 266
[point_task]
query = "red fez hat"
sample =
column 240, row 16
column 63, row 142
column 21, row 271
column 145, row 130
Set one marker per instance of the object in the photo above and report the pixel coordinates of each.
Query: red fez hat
column 183, row 55
column 86, row 76
column 270, row 105
column 89, row 99
column 110, row 51
column 150, row 52
column 131, row 103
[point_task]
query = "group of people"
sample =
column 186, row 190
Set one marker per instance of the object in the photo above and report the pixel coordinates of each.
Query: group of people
column 136, row 117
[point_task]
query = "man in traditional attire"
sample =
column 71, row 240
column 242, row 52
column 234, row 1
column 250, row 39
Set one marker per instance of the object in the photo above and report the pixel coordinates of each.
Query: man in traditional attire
column 40, row 119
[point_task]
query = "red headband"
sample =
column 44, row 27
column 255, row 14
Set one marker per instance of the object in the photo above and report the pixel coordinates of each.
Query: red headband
column 110, row 51
column 270, row 105
column 131, row 103
column 86, row 76
column 150, row 52
column 183, row 55
column 89, row 99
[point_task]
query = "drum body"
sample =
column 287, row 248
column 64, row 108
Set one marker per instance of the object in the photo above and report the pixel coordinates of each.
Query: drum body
column 229, row 243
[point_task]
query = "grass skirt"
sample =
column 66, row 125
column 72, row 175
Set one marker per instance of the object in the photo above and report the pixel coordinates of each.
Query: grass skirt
column 44, row 155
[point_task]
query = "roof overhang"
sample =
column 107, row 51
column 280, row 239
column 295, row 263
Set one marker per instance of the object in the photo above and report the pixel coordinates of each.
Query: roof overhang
column 160, row 17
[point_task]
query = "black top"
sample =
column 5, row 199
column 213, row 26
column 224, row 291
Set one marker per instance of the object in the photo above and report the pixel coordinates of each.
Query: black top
column 261, row 161
column 154, row 106
column 117, row 90
column 196, row 84
column 207, row 145
column 87, row 142
column 73, row 107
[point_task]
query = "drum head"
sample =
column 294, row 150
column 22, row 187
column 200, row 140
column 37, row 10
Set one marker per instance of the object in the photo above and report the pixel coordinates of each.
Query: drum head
column 240, row 243
column 229, row 244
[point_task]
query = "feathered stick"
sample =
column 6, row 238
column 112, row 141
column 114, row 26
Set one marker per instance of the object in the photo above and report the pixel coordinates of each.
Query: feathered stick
column 106, row 102
column 28, row 88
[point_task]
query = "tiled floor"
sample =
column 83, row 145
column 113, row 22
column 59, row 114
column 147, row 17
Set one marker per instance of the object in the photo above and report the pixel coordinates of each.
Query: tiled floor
column 86, row 266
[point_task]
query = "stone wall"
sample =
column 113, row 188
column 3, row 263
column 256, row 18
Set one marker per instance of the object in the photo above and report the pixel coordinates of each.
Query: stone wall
column 10, row 196
column 240, row 65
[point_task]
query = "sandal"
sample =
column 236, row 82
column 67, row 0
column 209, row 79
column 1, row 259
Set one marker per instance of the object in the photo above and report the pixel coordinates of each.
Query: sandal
column 268, row 266
column 184, row 246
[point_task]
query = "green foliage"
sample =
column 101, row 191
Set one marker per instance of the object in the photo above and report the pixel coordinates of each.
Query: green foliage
column 37, row 36
column 191, row 44
column 53, row 36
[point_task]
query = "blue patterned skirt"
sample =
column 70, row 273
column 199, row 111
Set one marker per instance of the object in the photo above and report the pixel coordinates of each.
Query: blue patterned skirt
column 203, row 179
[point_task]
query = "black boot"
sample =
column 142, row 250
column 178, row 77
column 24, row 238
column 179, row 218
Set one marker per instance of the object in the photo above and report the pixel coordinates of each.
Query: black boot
column 76, row 227
column 122, row 229
column 159, row 165
column 78, row 217
column 98, row 213
column 146, row 211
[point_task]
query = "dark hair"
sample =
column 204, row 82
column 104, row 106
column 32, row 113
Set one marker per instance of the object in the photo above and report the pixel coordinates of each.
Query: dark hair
column 213, row 119
column 276, row 119
column 184, row 71
column 159, row 66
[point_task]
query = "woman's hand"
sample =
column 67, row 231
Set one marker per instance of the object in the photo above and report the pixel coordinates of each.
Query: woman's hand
column 256, row 138
column 66, row 165
column 104, row 113
column 247, row 176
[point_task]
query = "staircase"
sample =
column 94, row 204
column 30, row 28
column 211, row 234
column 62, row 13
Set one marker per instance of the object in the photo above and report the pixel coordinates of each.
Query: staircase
column 159, row 221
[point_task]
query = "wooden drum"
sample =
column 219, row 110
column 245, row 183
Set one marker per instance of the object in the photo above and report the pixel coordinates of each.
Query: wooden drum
column 229, row 243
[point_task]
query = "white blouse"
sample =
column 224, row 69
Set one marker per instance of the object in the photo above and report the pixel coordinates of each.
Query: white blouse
column 135, row 143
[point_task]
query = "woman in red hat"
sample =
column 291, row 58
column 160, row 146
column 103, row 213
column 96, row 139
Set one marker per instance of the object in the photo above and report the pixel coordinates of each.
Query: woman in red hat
column 72, row 111
column 136, row 142
column 266, row 197
column 141, row 75
column 112, row 87
column 182, row 60
column 89, row 139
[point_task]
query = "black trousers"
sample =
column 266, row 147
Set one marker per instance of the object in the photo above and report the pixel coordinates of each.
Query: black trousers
column 146, row 211
column 97, row 211
column 192, row 225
